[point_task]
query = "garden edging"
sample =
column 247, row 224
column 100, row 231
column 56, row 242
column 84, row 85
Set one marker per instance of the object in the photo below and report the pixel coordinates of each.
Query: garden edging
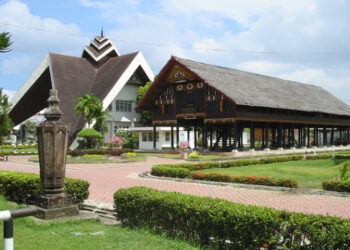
column 249, row 186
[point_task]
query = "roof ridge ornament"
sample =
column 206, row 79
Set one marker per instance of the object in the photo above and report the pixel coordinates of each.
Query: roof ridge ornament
column 53, row 112
column 102, row 32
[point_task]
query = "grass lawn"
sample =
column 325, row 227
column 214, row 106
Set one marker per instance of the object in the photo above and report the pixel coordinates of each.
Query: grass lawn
column 10, row 151
column 29, row 234
column 308, row 173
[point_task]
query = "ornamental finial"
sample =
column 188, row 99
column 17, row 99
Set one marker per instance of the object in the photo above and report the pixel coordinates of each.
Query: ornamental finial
column 53, row 112
column 101, row 31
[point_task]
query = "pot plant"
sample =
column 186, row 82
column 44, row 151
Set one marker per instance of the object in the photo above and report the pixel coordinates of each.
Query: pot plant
column 184, row 149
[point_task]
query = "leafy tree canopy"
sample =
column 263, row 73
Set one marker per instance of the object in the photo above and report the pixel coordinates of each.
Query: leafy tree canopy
column 91, row 108
column 146, row 116
column 5, row 42
column 6, row 123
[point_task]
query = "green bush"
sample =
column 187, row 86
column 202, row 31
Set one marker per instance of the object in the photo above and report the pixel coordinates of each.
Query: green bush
column 255, row 180
column 81, row 152
column 223, row 224
column 91, row 138
column 319, row 157
column 170, row 171
column 339, row 186
column 25, row 188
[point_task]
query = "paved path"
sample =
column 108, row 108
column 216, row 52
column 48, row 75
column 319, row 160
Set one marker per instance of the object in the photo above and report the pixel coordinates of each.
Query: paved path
column 105, row 179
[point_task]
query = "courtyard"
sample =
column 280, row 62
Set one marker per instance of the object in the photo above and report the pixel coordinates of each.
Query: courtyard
column 107, row 178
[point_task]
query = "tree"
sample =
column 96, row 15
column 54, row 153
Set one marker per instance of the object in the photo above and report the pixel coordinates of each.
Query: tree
column 6, row 123
column 146, row 116
column 5, row 42
column 91, row 138
column 91, row 108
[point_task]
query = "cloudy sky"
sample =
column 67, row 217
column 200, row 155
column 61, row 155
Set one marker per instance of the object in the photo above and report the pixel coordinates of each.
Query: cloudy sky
column 301, row 40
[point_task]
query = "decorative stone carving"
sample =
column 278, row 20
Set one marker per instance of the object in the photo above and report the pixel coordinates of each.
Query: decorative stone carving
column 52, row 145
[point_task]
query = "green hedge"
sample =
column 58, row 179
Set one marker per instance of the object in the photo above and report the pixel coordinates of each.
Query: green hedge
column 25, row 188
column 184, row 170
column 339, row 186
column 81, row 152
column 254, row 180
column 34, row 146
column 318, row 157
column 223, row 224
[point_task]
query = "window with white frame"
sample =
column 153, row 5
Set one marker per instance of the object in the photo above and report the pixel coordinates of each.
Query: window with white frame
column 123, row 105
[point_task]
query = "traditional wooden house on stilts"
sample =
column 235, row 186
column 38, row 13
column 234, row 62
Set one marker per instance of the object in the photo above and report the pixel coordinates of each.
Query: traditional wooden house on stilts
column 222, row 102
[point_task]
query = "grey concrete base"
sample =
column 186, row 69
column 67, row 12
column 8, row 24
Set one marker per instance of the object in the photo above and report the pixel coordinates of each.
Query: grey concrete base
column 280, row 149
column 54, row 213
column 251, row 150
column 304, row 147
column 292, row 148
column 266, row 149
column 234, row 151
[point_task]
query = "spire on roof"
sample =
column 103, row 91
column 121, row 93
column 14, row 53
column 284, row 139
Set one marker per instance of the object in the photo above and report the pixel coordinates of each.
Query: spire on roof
column 101, row 47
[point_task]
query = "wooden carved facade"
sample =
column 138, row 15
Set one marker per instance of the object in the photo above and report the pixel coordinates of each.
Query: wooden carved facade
column 186, row 94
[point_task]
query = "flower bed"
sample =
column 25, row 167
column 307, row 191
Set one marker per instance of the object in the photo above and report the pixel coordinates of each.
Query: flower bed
column 185, row 170
column 227, row 225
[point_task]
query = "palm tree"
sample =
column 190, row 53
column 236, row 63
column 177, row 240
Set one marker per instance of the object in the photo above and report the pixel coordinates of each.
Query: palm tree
column 100, row 117
column 5, row 42
column 91, row 108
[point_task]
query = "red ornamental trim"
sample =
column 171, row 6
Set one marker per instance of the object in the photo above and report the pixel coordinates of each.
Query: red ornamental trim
column 199, row 85
column 179, row 87
column 189, row 86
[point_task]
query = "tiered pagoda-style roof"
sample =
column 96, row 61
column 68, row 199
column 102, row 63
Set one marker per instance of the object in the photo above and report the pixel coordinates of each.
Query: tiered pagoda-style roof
column 101, row 71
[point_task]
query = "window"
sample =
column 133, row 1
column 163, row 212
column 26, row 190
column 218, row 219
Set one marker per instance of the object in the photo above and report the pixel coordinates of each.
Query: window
column 150, row 136
column 123, row 105
column 167, row 136
column 110, row 107
column 144, row 136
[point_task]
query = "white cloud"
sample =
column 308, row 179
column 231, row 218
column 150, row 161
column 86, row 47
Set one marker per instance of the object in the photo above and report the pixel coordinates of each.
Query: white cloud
column 32, row 43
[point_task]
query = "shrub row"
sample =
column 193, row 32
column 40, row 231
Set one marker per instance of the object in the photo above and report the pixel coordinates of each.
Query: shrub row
column 341, row 156
column 223, row 224
column 339, row 186
column 319, row 157
column 25, row 188
column 255, row 180
column 34, row 146
column 115, row 152
column 229, row 164
column 12, row 152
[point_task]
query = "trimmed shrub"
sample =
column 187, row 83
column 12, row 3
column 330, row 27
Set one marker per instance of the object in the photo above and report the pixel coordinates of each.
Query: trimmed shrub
column 319, row 157
column 93, row 156
column 114, row 152
column 25, row 188
column 340, row 157
column 176, row 172
column 223, row 224
column 339, row 186
column 255, row 180
column 90, row 136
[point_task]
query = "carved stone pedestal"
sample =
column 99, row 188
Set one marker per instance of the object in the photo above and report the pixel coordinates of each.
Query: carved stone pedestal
column 52, row 145
column 55, row 206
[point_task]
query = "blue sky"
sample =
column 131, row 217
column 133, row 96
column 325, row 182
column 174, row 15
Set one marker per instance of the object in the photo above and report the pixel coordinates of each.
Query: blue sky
column 301, row 40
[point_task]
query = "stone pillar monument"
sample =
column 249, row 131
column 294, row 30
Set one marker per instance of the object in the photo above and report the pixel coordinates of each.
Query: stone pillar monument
column 52, row 145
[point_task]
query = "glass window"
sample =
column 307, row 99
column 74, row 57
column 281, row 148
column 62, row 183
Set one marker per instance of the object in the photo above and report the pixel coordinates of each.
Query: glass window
column 123, row 105
column 144, row 136
column 150, row 136
column 167, row 136
column 157, row 135
column 110, row 107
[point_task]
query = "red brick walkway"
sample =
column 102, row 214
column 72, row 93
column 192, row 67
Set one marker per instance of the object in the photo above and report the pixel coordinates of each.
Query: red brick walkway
column 105, row 179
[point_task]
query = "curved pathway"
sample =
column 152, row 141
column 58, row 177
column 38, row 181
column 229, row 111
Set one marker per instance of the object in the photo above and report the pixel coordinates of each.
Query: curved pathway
column 107, row 178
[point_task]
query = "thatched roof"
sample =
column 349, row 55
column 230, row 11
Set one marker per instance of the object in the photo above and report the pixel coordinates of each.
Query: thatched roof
column 251, row 89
